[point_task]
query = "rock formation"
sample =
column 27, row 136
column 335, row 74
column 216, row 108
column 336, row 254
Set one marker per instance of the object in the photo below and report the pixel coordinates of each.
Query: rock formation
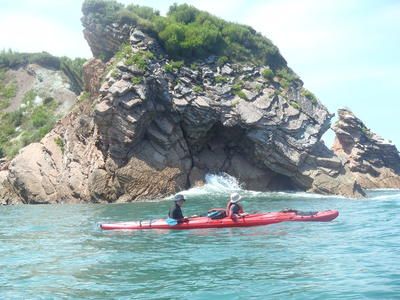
column 105, row 40
column 57, row 169
column 188, row 122
column 374, row 161
column 155, row 131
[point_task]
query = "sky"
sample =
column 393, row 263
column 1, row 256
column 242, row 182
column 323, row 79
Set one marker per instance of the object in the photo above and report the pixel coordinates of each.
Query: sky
column 347, row 52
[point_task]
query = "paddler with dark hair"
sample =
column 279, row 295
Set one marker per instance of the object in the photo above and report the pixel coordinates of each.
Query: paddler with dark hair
column 234, row 209
column 175, row 212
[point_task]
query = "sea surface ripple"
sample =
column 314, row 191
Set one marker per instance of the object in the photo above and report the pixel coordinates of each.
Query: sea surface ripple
column 59, row 252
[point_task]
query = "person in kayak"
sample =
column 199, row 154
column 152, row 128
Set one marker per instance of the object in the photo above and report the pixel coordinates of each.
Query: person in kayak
column 235, row 210
column 175, row 212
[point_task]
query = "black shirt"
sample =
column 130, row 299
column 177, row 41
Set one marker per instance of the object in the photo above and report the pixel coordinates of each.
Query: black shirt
column 175, row 212
column 234, row 208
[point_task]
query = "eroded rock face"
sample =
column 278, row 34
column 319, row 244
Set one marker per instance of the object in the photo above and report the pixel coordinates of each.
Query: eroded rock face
column 374, row 161
column 104, row 41
column 156, row 130
column 93, row 71
column 7, row 194
column 57, row 169
column 194, row 122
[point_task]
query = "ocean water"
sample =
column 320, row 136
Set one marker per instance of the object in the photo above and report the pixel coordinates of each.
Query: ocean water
column 58, row 251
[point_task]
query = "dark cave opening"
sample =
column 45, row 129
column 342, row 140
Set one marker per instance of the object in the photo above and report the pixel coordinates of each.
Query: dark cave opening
column 228, row 149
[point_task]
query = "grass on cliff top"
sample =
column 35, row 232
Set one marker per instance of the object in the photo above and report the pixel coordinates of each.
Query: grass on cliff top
column 30, row 123
column 188, row 33
column 310, row 96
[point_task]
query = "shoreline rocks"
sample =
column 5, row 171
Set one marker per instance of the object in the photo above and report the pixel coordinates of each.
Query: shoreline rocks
column 374, row 161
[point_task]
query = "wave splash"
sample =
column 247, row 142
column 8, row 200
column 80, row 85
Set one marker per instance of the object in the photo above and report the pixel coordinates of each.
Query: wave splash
column 220, row 183
column 223, row 184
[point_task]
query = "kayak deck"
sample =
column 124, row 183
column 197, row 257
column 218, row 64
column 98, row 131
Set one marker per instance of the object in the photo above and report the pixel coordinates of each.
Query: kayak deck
column 258, row 219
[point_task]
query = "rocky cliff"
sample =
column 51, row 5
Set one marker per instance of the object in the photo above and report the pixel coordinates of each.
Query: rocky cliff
column 154, row 127
column 189, row 122
column 374, row 161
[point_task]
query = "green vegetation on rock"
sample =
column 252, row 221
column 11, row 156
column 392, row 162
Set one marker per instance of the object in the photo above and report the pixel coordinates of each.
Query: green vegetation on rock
column 31, row 122
column 60, row 143
column 8, row 90
column 366, row 131
column 84, row 96
column 125, row 51
column 286, row 77
column 295, row 104
column 222, row 60
column 310, row 96
column 173, row 66
column 237, row 86
column 104, row 12
column 268, row 74
column 241, row 94
column 115, row 73
column 198, row 89
column 237, row 89
column 188, row 33
column 140, row 59
column 137, row 80
column 221, row 79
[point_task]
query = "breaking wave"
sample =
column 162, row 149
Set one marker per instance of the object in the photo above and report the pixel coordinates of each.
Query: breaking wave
column 224, row 184
column 221, row 183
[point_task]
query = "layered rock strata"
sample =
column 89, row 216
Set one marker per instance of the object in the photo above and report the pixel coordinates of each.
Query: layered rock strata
column 156, row 130
column 104, row 40
column 192, row 120
column 374, row 161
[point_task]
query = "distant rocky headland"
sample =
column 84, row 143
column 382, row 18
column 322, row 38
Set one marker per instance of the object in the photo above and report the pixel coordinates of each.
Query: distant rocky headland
column 170, row 99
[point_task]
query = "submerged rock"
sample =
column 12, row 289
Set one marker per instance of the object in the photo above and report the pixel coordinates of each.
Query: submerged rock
column 374, row 161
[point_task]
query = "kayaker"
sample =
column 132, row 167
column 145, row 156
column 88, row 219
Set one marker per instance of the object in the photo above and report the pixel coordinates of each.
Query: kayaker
column 175, row 212
column 235, row 210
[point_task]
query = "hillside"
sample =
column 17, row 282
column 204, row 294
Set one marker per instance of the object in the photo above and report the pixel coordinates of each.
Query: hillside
column 36, row 89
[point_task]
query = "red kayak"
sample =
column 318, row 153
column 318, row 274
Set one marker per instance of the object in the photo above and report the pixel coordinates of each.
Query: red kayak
column 246, row 221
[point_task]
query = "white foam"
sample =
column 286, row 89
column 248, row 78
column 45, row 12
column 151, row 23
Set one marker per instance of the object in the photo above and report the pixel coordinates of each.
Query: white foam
column 221, row 183
column 391, row 197
column 383, row 190
column 224, row 184
column 388, row 197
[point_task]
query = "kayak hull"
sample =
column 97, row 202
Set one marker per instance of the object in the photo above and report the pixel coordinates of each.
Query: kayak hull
column 246, row 221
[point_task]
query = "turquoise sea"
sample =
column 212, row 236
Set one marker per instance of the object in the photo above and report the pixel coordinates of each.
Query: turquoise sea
column 58, row 251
